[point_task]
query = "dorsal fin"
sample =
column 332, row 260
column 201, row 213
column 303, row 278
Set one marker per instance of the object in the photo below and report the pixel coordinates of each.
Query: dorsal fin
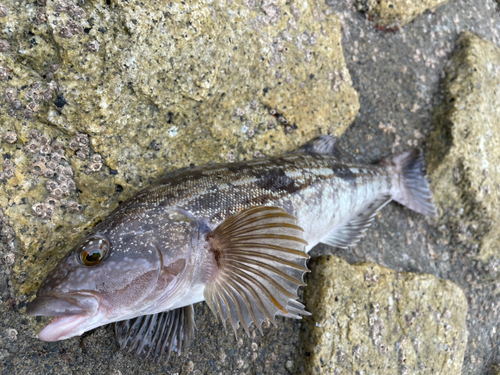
column 259, row 265
column 326, row 145
column 152, row 335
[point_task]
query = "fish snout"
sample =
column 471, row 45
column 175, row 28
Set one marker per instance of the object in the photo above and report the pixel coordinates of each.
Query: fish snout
column 72, row 305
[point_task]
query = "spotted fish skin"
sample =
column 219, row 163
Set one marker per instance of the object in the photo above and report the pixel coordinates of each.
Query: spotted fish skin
column 235, row 235
column 321, row 191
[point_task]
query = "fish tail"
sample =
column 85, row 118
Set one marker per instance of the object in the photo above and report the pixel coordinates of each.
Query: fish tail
column 412, row 188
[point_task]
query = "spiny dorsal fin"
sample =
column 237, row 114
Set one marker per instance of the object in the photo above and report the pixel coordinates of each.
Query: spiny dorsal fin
column 351, row 232
column 326, row 145
column 153, row 335
column 261, row 261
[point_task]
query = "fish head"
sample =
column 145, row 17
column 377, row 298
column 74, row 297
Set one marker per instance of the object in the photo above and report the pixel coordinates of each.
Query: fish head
column 117, row 272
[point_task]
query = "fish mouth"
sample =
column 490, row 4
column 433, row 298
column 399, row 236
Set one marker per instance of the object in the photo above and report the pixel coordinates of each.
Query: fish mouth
column 75, row 314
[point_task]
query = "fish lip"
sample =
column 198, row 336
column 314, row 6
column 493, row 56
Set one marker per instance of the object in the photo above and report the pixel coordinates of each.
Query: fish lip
column 65, row 327
column 74, row 304
column 75, row 313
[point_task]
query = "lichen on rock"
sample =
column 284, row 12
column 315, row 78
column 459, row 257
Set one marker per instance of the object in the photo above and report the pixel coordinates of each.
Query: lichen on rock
column 463, row 156
column 372, row 319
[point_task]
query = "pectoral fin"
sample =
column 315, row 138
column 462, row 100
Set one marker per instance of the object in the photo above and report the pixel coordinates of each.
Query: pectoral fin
column 260, row 263
column 351, row 232
column 153, row 335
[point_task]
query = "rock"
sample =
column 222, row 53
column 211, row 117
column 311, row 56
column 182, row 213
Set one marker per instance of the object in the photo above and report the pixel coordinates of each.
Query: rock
column 372, row 319
column 151, row 87
column 391, row 14
column 464, row 152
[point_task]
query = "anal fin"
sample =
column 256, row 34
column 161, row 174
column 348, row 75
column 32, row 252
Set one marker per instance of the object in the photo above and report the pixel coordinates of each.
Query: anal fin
column 156, row 334
column 351, row 232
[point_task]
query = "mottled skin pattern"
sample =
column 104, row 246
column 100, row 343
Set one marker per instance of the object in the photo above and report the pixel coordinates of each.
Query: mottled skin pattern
column 160, row 257
column 321, row 191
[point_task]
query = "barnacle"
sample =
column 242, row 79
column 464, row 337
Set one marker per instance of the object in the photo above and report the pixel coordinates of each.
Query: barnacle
column 96, row 158
column 8, row 172
column 10, row 94
column 93, row 46
column 56, row 146
column 57, row 192
column 38, row 168
column 81, row 155
column 41, row 17
column 68, row 172
column 44, row 140
column 53, row 202
column 61, row 7
column 239, row 112
column 49, row 211
column 34, row 134
column 48, row 173
column 73, row 144
column 4, row 73
column 32, row 147
column 27, row 114
column 9, row 137
column 82, row 139
column 52, row 185
column 38, row 209
column 60, row 178
column 56, row 158
column 44, row 149
column 33, row 107
column 72, row 205
column 75, row 28
column 47, row 96
column 4, row 11
column 94, row 167
column 16, row 104
column 71, row 184
column 65, row 32
column 52, row 165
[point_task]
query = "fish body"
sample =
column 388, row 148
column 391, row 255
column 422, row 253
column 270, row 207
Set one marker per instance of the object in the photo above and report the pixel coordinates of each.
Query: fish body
column 235, row 235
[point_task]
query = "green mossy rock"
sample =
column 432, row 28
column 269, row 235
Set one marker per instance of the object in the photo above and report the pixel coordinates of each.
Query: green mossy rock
column 372, row 319
column 464, row 153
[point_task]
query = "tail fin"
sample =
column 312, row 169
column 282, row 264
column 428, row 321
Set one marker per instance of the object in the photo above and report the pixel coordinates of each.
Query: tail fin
column 413, row 191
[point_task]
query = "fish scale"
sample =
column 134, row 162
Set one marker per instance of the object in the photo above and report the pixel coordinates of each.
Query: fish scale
column 235, row 235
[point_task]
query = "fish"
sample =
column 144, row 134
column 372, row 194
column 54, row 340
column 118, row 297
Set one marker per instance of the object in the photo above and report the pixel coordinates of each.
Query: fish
column 234, row 235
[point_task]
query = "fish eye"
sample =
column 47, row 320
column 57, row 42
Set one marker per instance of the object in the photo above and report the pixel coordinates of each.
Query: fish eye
column 94, row 250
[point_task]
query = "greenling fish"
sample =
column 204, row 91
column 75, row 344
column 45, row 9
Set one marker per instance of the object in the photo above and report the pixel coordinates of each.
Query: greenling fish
column 233, row 235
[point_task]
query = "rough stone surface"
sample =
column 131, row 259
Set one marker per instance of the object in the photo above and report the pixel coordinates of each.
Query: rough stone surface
column 464, row 154
column 391, row 14
column 228, row 80
column 397, row 75
column 372, row 319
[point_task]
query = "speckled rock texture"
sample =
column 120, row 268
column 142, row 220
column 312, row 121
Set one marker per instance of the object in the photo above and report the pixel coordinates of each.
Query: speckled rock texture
column 123, row 92
column 397, row 74
column 371, row 319
column 464, row 154
column 391, row 14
